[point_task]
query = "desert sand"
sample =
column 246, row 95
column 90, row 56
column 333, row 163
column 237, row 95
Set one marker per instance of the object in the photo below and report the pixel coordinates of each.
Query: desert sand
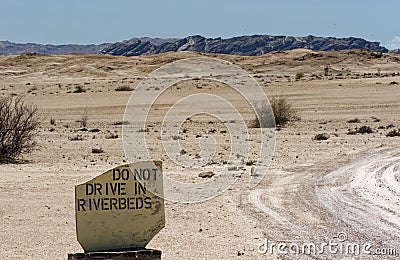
column 313, row 190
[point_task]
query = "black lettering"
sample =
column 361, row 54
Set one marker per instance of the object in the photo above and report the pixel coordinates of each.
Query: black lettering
column 122, row 203
column 96, row 205
column 146, row 174
column 116, row 174
column 147, row 201
column 137, row 175
column 97, row 188
column 89, row 189
column 125, row 174
column 104, row 204
column 113, row 202
column 140, row 188
column 139, row 203
column 113, row 187
column 131, row 202
column 122, row 188
column 155, row 173
column 81, row 204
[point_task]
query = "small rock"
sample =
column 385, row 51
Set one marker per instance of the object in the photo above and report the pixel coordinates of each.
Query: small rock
column 233, row 168
column 206, row 174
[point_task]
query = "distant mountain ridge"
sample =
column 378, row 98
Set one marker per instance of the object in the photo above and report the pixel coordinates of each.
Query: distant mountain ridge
column 243, row 45
column 11, row 48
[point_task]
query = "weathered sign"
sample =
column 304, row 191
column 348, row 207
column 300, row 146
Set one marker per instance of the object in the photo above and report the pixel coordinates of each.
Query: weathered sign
column 122, row 208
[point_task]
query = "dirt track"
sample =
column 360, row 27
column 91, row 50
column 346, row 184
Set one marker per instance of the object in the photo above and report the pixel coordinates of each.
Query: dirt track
column 360, row 199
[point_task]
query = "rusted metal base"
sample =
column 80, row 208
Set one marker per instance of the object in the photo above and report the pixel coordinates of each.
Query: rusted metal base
column 142, row 254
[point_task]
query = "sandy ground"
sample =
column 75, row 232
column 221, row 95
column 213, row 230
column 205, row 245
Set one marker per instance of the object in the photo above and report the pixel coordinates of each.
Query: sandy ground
column 313, row 191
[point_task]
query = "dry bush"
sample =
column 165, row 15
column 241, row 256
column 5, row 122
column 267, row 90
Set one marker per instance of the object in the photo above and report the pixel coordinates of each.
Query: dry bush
column 365, row 130
column 84, row 119
column 393, row 133
column 354, row 121
column 362, row 130
column 123, row 88
column 299, row 75
column 19, row 123
column 282, row 110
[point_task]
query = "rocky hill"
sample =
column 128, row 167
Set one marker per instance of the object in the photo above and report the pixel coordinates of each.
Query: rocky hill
column 10, row 48
column 243, row 45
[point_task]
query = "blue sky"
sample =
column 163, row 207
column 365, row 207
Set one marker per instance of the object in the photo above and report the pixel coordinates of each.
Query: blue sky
column 96, row 21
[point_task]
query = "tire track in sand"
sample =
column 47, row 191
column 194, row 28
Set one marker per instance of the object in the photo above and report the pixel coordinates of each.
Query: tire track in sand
column 361, row 198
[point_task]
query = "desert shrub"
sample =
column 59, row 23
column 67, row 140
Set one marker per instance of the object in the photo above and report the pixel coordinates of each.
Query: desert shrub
column 299, row 75
column 123, row 88
column 354, row 121
column 79, row 89
column 364, row 130
column 393, row 133
column 282, row 110
column 19, row 123
column 84, row 119
column 52, row 121
column 321, row 137
column 121, row 123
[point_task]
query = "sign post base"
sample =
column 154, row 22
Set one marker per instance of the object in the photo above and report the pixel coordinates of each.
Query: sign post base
column 142, row 254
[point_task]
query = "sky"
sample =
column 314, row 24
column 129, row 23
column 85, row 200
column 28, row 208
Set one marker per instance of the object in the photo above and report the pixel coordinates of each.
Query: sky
column 98, row 21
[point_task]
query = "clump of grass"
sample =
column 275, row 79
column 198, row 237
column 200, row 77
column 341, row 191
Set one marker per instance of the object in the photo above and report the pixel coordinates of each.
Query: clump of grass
column 123, row 88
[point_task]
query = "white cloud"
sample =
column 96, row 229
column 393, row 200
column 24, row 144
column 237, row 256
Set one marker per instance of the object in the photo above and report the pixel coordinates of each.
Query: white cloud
column 394, row 43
